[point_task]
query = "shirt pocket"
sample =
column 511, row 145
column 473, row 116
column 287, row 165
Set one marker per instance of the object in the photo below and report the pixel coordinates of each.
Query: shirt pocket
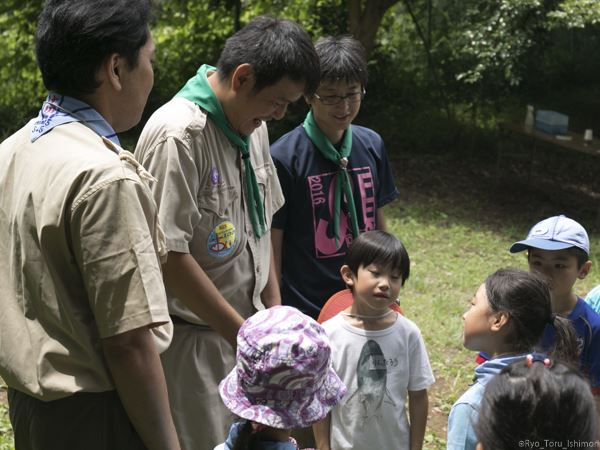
column 263, row 179
column 221, row 227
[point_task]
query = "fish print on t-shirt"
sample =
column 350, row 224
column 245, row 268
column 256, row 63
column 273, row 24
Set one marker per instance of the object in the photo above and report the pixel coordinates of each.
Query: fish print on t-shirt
column 371, row 377
column 321, row 188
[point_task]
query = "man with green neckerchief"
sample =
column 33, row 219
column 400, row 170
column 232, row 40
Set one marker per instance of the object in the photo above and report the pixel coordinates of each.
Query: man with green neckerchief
column 217, row 191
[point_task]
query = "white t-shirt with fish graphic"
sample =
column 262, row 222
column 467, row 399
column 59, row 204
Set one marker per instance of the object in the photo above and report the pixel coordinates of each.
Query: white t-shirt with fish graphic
column 379, row 368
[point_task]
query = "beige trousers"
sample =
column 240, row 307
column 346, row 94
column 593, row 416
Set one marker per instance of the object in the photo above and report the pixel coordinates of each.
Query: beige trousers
column 194, row 364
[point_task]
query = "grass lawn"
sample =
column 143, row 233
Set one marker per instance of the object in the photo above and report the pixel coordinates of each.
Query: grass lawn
column 457, row 225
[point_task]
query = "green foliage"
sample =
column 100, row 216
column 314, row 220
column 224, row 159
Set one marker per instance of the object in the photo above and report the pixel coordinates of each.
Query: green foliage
column 575, row 14
column 437, row 63
column 497, row 37
column 22, row 89
column 317, row 17
column 187, row 34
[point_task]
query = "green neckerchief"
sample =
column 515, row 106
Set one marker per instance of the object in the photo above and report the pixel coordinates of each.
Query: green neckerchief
column 199, row 91
column 340, row 159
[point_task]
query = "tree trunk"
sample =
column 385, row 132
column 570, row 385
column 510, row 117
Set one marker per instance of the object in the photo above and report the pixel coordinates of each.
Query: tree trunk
column 364, row 18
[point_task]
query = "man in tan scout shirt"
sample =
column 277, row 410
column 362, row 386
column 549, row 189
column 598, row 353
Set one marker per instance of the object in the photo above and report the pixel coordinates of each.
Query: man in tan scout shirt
column 217, row 192
column 83, row 310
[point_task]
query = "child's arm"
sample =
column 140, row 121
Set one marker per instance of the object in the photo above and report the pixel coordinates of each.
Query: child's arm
column 270, row 296
column 321, row 431
column 418, row 405
column 381, row 223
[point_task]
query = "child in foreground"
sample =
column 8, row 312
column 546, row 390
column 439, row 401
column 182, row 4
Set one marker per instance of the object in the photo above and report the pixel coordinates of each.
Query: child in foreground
column 545, row 403
column 283, row 380
column 506, row 320
column 379, row 354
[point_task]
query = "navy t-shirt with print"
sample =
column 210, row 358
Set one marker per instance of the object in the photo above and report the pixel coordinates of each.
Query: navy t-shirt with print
column 311, row 260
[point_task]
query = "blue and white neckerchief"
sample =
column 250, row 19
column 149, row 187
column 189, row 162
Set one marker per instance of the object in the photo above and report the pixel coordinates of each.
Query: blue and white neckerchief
column 60, row 109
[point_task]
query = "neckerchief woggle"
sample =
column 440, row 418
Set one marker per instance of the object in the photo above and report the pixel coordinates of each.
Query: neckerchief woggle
column 342, row 180
column 198, row 90
column 61, row 109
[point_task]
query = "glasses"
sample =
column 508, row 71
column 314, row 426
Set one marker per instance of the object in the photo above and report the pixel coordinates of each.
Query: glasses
column 353, row 97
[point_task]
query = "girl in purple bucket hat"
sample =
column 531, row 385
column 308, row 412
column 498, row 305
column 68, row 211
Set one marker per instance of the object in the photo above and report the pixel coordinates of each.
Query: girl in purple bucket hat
column 283, row 379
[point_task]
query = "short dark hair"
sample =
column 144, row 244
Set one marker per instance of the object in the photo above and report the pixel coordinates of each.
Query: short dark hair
column 525, row 297
column 580, row 254
column 342, row 58
column 74, row 37
column 381, row 248
column 275, row 48
column 536, row 404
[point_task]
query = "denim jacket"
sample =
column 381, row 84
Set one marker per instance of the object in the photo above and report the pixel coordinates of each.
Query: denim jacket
column 464, row 413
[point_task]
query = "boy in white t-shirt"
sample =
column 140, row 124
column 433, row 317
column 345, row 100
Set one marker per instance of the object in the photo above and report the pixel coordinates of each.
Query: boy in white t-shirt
column 378, row 353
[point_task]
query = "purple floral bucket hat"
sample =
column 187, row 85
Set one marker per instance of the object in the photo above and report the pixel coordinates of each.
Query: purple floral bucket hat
column 283, row 377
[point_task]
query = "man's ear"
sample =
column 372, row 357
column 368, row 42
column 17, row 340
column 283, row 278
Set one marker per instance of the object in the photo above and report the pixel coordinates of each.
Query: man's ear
column 584, row 270
column 111, row 71
column 347, row 275
column 242, row 77
column 499, row 320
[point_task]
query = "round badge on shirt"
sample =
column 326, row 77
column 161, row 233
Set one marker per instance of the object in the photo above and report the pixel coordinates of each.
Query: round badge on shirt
column 222, row 239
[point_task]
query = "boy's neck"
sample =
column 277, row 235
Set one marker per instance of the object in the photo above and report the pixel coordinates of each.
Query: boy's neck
column 563, row 306
column 369, row 320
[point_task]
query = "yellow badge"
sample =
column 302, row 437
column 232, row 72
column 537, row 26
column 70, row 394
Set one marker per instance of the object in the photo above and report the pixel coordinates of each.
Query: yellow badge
column 222, row 240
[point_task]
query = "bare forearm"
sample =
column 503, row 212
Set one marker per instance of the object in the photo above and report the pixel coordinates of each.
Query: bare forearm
column 321, row 430
column 135, row 366
column 276, row 245
column 381, row 223
column 418, row 405
column 270, row 296
column 186, row 280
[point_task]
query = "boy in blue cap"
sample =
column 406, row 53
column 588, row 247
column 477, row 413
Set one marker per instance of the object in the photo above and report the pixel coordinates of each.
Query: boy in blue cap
column 558, row 248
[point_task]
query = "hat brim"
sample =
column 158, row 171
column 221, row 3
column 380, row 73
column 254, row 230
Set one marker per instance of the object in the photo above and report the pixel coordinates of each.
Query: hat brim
column 544, row 244
column 283, row 414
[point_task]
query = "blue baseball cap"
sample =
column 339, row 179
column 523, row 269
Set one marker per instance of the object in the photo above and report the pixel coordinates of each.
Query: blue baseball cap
column 554, row 233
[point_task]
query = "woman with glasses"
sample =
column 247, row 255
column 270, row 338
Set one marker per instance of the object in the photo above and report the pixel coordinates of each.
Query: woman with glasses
column 335, row 177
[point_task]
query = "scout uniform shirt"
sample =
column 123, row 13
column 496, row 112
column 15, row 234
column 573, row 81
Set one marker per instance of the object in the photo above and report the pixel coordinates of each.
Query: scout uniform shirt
column 202, row 202
column 78, row 259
